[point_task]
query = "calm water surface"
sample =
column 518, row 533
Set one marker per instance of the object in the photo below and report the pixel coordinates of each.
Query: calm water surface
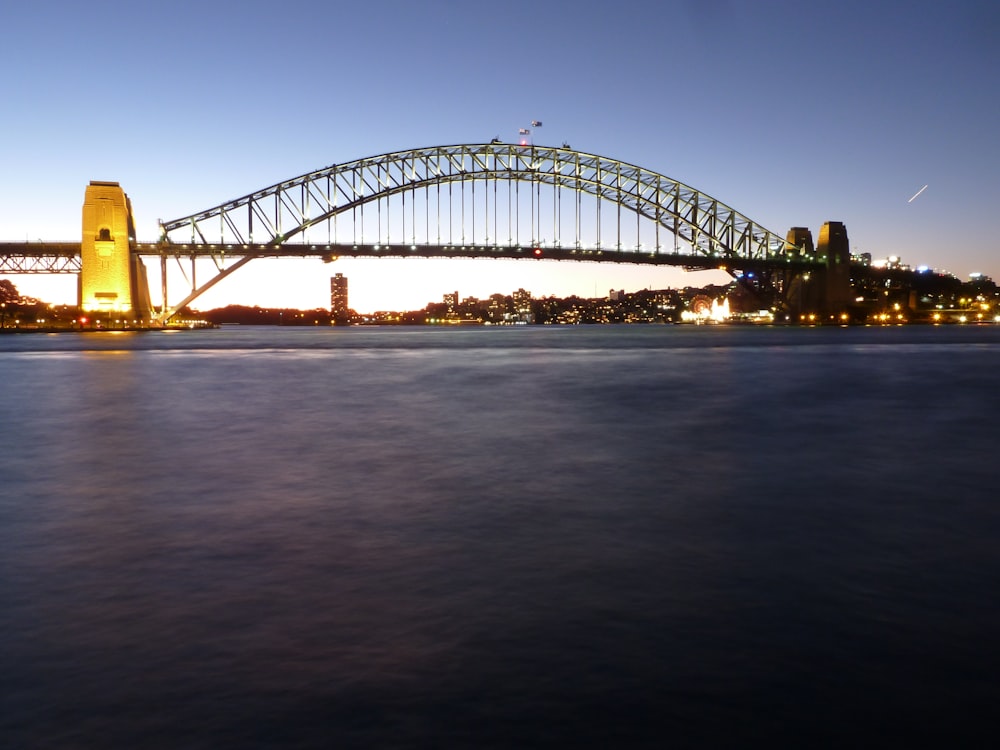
column 488, row 538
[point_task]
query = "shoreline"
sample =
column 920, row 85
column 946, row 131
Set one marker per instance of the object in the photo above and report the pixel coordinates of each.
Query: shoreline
column 727, row 324
column 124, row 329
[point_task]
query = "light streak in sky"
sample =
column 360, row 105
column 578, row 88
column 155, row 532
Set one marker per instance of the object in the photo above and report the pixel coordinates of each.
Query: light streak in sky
column 916, row 194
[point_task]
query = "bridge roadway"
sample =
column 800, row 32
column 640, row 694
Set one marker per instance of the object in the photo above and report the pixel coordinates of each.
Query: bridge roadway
column 64, row 257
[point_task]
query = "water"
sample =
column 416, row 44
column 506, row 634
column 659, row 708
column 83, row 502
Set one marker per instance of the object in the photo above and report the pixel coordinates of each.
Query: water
column 532, row 537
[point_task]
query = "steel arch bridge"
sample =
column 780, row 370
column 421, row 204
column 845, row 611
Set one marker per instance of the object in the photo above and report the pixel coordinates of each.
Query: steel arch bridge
column 477, row 200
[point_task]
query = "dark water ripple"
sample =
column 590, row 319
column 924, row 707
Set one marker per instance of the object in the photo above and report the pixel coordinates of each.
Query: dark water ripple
column 614, row 537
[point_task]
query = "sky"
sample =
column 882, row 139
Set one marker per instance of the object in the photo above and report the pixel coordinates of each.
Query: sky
column 793, row 113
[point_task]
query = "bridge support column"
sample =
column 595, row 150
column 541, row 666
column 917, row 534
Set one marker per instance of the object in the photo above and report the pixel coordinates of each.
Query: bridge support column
column 803, row 290
column 112, row 276
column 833, row 245
column 825, row 294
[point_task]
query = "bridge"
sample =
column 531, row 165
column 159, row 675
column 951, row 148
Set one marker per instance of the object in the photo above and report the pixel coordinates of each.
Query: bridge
column 496, row 200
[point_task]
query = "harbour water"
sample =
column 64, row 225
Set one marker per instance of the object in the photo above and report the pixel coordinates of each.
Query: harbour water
column 510, row 537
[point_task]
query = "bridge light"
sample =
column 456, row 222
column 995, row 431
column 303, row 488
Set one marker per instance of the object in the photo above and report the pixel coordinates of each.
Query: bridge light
column 538, row 252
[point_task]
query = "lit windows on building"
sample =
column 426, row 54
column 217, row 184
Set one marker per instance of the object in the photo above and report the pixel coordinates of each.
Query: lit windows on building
column 338, row 300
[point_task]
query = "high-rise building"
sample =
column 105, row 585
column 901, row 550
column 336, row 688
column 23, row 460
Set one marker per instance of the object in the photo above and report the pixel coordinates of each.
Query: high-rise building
column 522, row 306
column 338, row 300
column 497, row 309
column 451, row 300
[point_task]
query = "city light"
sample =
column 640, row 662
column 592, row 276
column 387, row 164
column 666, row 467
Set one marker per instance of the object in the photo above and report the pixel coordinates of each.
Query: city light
column 716, row 312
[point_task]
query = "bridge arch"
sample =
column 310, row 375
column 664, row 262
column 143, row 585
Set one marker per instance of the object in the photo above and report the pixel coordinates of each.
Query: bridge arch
column 284, row 211
column 425, row 204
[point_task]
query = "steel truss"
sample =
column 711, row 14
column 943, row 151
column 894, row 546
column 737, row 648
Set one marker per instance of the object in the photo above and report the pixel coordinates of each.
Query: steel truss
column 284, row 211
column 39, row 257
column 425, row 201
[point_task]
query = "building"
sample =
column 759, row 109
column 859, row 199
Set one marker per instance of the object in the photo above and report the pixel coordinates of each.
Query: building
column 522, row 306
column 451, row 300
column 339, row 314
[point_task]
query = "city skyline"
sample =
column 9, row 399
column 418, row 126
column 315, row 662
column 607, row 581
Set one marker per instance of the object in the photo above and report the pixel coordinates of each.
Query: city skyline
column 881, row 118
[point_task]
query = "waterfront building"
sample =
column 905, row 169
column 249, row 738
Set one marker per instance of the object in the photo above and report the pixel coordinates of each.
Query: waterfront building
column 338, row 300
column 522, row 306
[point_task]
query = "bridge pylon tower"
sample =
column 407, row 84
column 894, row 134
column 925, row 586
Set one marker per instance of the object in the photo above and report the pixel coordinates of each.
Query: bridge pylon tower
column 824, row 293
column 112, row 275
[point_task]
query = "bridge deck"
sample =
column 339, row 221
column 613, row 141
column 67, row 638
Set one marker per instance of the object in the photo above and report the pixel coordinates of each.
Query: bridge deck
column 60, row 257
column 39, row 257
column 40, row 249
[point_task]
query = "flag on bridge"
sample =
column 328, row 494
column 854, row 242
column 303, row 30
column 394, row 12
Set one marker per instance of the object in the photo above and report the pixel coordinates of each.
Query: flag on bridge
column 536, row 123
column 524, row 131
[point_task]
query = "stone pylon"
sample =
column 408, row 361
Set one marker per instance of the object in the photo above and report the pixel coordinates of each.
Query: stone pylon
column 834, row 247
column 112, row 276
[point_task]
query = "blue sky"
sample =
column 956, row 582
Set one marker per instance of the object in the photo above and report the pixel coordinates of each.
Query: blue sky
column 794, row 113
